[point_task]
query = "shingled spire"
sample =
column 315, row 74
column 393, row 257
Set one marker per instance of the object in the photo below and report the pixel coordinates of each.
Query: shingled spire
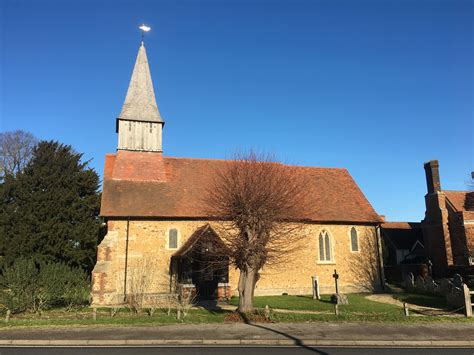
column 139, row 124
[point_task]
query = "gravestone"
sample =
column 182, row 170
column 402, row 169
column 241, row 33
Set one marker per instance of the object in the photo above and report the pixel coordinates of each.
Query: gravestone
column 455, row 297
column 315, row 283
column 445, row 286
column 409, row 281
column 457, row 280
column 430, row 285
column 430, row 267
column 338, row 298
column 420, row 284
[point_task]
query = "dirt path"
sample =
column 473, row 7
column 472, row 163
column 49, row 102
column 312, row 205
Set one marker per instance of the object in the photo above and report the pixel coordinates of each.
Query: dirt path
column 385, row 298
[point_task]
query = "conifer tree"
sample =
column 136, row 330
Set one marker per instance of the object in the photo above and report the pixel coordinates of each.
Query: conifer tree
column 49, row 211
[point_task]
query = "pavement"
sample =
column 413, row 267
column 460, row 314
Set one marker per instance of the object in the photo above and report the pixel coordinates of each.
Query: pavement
column 261, row 350
column 278, row 334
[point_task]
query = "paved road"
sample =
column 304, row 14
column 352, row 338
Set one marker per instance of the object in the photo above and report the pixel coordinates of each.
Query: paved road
column 228, row 350
column 277, row 331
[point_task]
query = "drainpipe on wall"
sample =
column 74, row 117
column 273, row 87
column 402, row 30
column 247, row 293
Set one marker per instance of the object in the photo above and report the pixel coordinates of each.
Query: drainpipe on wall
column 126, row 262
column 380, row 257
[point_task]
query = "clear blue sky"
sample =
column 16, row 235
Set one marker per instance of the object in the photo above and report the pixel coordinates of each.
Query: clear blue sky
column 377, row 87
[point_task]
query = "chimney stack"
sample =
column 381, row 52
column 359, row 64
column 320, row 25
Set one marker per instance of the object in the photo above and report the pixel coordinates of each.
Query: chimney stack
column 432, row 177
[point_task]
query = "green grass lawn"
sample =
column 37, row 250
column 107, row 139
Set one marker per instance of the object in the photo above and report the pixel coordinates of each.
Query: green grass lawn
column 357, row 303
column 360, row 309
column 423, row 300
column 57, row 317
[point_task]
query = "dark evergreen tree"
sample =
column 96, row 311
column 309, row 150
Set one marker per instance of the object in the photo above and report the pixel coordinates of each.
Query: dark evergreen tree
column 49, row 211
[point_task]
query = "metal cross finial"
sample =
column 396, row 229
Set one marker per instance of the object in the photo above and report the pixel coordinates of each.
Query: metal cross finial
column 144, row 28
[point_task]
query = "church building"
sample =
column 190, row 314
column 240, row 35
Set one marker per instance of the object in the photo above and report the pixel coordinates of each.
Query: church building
column 152, row 205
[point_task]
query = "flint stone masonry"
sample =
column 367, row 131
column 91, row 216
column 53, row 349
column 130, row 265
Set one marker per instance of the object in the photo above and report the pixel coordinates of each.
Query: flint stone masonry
column 148, row 239
column 146, row 194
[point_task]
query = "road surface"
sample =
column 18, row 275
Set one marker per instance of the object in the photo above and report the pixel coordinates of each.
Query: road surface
column 227, row 350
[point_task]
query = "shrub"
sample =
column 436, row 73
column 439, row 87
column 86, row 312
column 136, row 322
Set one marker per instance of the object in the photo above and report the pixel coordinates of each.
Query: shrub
column 76, row 289
column 29, row 286
column 19, row 284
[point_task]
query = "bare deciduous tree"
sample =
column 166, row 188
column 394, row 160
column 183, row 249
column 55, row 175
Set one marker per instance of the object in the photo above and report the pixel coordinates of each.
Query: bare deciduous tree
column 184, row 301
column 16, row 150
column 140, row 284
column 259, row 202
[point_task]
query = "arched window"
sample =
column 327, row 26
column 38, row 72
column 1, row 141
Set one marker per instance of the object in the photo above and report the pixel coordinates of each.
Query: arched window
column 173, row 239
column 354, row 240
column 325, row 250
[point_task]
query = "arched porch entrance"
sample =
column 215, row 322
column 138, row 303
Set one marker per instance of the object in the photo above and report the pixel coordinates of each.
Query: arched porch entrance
column 202, row 265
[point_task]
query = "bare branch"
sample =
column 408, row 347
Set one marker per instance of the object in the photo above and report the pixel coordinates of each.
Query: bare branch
column 16, row 149
column 260, row 203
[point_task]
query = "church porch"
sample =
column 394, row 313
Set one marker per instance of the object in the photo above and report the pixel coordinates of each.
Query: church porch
column 201, row 267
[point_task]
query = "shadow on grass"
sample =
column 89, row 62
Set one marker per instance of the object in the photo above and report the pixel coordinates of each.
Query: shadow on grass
column 326, row 301
column 424, row 300
column 212, row 306
column 297, row 341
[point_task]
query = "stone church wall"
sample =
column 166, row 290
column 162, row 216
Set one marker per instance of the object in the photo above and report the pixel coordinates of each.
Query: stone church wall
column 148, row 250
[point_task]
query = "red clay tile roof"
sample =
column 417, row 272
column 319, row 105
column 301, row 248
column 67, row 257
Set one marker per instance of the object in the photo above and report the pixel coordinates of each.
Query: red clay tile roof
column 461, row 200
column 139, row 184
column 400, row 225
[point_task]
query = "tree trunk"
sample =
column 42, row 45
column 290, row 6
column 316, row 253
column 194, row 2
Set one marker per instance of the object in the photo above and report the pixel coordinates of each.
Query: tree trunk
column 247, row 281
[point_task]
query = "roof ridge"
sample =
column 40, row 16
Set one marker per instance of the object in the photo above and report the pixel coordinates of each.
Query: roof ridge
column 230, row 160
column 400, row 222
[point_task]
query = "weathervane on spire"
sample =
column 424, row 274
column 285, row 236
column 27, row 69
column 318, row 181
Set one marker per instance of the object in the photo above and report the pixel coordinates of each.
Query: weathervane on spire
column 144, row 28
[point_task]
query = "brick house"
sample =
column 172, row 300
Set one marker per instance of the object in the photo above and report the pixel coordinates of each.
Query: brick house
column 152, row 205
column 448, row 226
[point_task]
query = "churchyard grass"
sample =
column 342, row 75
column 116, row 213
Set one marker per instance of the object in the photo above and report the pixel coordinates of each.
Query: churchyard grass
column 360, row 309
column 357, row 303
column 57, row 317
column 423, row 300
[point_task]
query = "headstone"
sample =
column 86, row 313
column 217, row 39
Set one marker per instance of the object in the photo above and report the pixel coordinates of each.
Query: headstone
column 455, row 297
column 420, row 284
column 445, row 286
column 339, row 298
column 315, row 283
column 409, row 281
column 430, row 267
column 430, row 285
column 457, row 280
